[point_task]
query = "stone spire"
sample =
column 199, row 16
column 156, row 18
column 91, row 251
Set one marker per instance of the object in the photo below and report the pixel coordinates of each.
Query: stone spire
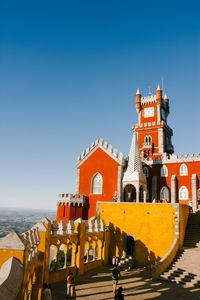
column 134, row 179
column 134, row 162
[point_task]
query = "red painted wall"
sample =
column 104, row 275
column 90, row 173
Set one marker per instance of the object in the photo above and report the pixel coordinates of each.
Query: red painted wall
column 71, row 212
column 153, row 132
column 174, row 169
column 98, row 162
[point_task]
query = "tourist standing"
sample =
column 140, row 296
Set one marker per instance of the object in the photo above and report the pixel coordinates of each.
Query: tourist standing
column 70, row 285
column 115, row 277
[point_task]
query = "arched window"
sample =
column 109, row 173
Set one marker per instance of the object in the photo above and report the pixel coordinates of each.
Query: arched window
column 97, row 184
column 164, row 193
column 148, row 140
column 183, row 170
column 183, row 193
column 163, row 171
column 146, row 171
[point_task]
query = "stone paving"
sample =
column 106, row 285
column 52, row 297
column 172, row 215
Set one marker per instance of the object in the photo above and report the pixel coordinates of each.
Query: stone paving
column 137, row 285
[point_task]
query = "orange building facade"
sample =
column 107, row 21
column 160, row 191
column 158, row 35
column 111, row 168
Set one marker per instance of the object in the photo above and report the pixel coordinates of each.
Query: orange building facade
column 100, row 174
column 152, row 172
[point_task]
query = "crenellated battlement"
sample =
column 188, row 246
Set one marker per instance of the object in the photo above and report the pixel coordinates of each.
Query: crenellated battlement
column 174, row 158
column 148, row 99
column 117, row 155
column 71, row 199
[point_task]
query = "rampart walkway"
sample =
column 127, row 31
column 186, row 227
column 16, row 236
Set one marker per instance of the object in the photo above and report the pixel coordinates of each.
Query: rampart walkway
column 136, row 283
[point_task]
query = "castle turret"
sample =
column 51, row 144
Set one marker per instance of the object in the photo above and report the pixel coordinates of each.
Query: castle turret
column 138, row 100
column 71, row 207
column 159, row 94
column 154, row 134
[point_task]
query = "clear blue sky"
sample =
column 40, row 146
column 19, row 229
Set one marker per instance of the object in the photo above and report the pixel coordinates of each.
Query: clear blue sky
column 68, row 74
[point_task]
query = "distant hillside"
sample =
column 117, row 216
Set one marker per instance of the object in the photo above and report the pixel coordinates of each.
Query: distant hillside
column 20, row 220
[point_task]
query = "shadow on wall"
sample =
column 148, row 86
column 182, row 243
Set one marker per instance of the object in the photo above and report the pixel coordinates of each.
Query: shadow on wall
column 143, row 256
column 119, row 246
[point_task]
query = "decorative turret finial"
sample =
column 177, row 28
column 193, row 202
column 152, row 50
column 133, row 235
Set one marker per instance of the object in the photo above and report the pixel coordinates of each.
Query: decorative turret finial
column 158, row 88
column 165, row 97
column 138, row 92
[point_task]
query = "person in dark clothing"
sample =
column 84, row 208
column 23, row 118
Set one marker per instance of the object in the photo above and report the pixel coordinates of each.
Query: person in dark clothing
column 115, row 277
column 119, row 295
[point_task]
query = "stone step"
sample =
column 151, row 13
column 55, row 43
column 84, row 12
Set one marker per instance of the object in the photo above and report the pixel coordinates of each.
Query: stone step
column 184, row 279
column 187, row 261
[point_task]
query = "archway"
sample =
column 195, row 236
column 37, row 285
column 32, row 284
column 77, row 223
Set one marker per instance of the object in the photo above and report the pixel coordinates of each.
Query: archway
column 129, row 193
column 130, row 246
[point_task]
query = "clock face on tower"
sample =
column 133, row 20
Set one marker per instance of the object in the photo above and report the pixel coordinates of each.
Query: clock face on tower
column 148, row 112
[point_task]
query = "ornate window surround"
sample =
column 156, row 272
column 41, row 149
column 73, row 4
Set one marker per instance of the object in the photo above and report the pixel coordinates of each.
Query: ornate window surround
column 164, row 171
column 183, row 170
column 97, row 184
column 183, row 193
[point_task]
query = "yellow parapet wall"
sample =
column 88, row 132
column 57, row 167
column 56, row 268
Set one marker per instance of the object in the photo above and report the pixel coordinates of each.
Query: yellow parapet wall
column 154, row 226
column 47, row 252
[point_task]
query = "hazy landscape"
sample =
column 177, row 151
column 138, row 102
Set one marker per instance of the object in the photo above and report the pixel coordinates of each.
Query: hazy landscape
column 20, row 220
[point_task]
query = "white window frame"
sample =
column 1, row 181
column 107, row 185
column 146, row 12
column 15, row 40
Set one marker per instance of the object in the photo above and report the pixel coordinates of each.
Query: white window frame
column 164, row 193
column 183, row 193
column 164, row 171
column 183, row 170
column 97, row 184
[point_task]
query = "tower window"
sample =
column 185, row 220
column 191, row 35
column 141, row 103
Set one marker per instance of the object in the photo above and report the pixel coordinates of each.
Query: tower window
column 183, row 193
column 97, row 184
column 148, row 140
column 164, row 193
column 183, row 170
column 163, row 171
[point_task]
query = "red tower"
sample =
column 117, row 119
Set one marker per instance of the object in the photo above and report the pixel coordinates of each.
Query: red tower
column 71, row 207
column 154, row 134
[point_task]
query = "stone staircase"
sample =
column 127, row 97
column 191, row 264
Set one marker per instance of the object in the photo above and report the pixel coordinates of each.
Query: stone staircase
column 185, row 269
column 126, row 263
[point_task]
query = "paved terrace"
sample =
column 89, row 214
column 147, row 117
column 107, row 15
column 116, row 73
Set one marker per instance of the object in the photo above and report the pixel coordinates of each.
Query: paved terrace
column 137, row 285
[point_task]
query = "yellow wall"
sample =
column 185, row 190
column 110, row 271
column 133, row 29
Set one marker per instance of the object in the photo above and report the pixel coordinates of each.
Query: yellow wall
column 154, row 227
column 5, row 254
column 151, row 225
column 178, row 242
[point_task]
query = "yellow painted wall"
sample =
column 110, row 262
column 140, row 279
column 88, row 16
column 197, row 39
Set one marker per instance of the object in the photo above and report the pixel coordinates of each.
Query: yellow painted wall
column 151, row 225
column 7, row 253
